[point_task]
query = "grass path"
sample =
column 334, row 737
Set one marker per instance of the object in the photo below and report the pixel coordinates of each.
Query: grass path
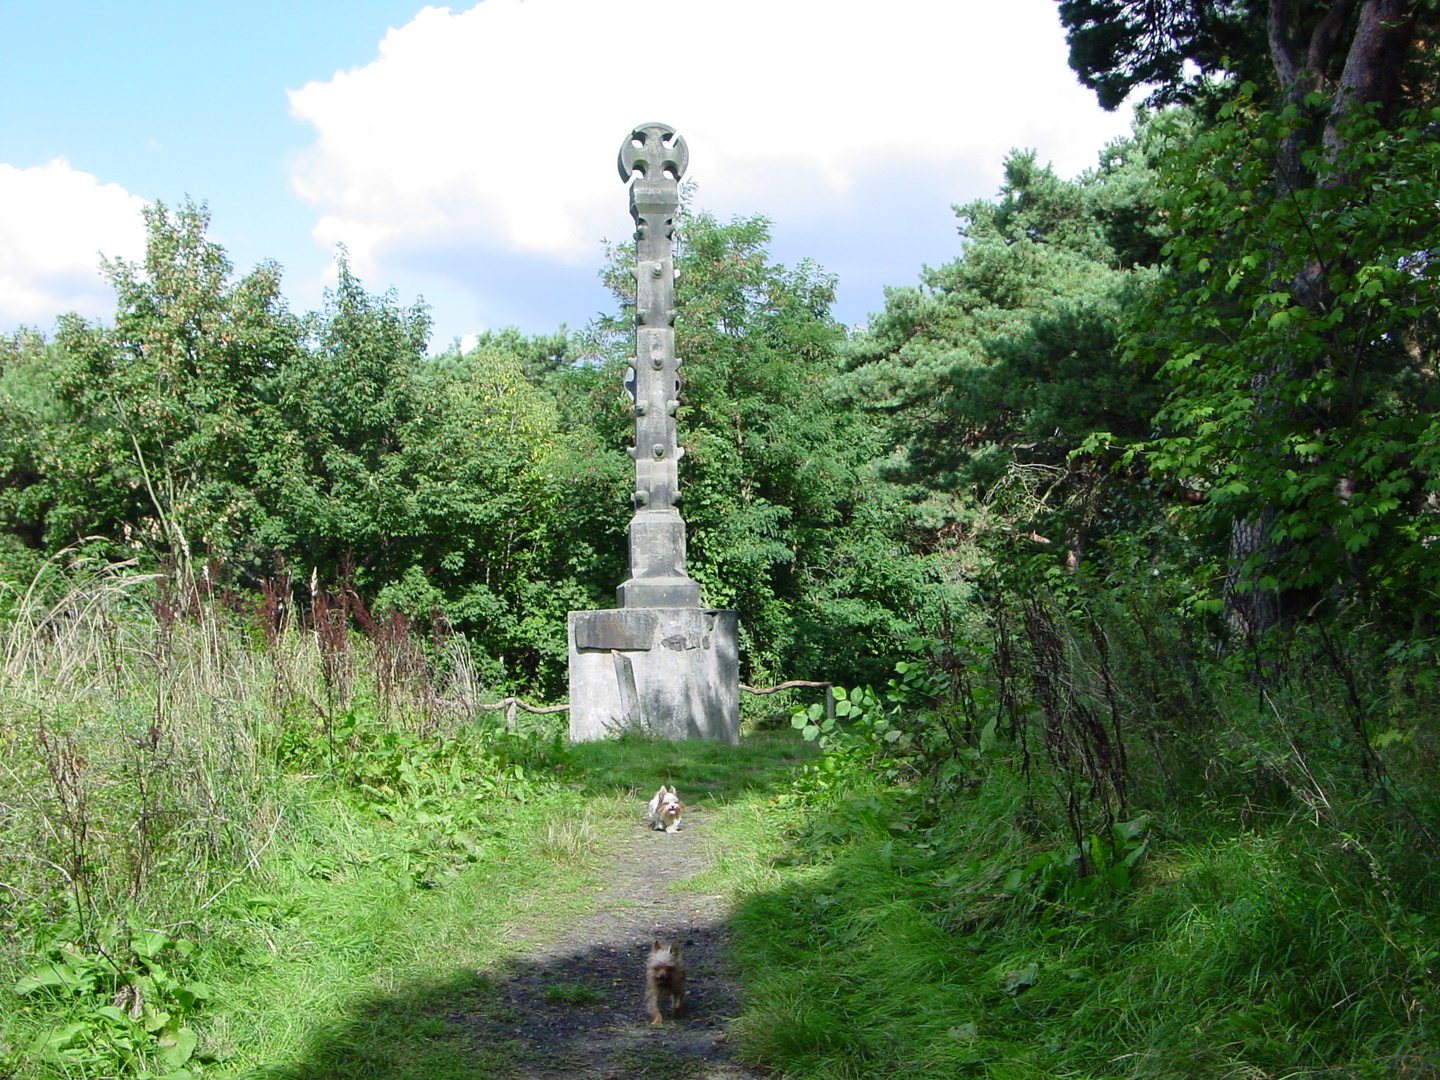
column 570, row 1002
column 532, row 965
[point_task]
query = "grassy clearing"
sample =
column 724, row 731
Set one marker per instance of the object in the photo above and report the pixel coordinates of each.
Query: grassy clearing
column 395, row 987
column 222, row 834
column 232, row 847
column 237, row 846
column 708, row 773
column 333, row 957
column 364, row 973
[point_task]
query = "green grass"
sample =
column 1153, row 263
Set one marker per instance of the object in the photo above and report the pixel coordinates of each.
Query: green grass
column 367, row 969
column 368, row 977
column 320, row 882
column 703, row 772
column 362, row 930
column 1261, row 956
column 355, row 972
column 573, row 994
column 364, row 976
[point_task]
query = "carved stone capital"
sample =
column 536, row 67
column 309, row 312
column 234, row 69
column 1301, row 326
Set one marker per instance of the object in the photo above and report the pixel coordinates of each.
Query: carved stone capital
column 655, row 152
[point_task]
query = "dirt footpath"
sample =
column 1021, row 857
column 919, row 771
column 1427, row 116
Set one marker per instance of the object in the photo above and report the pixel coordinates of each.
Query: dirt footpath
column 574, row 1006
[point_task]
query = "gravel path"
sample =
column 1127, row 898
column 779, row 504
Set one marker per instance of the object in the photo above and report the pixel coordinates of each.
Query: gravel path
column 574, row 1006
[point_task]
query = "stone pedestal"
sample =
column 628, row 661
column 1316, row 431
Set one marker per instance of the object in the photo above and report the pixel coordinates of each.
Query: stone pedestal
column 671, row 672
column 657, row 564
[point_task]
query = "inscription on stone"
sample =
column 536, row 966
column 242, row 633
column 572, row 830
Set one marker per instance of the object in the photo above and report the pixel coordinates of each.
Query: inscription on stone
column 626, row 629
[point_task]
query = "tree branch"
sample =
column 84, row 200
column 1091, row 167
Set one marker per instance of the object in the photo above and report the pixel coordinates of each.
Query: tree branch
column 1279, row 29
column 1326, row 35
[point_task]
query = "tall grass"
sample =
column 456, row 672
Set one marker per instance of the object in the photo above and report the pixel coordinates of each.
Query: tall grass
column 177, row 760
column 147, row 721
column 1138, row 861
column 238, row 841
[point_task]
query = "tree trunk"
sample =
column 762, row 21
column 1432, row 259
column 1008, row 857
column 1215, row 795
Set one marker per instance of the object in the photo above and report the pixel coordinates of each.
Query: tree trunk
column 1374, row 60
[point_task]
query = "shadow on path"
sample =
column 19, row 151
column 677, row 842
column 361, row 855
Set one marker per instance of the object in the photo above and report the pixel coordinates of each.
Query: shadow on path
column 568, row 1006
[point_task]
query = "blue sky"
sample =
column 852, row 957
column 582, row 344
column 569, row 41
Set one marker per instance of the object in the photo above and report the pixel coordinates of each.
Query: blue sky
column 467, row 153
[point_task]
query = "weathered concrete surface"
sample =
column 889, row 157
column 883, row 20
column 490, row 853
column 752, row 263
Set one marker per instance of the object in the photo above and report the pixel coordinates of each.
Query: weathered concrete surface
column 669, row 672
column 657, row 563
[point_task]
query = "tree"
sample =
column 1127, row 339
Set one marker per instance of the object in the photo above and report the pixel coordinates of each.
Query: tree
column 168, row 404
column 1003, row 363
column 31, row 425
column 1358, row 49
column 1117, row 46
column 343, row 402
column 496, row 514
column 1335, row 68
column 1314, row 410
column 208, row 424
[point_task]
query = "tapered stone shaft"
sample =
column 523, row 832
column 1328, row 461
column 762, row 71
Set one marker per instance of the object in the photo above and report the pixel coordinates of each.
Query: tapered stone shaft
column 662, row 663
column 653, row 159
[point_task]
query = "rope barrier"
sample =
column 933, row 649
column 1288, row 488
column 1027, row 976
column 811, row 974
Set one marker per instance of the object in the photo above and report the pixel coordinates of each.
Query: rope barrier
column 510, row 704
column 829, row 692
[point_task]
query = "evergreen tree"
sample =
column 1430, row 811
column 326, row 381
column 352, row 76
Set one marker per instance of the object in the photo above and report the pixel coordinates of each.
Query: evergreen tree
column 1005, row 362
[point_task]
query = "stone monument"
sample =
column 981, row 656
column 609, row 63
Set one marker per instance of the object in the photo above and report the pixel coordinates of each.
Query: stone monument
column 661, row 662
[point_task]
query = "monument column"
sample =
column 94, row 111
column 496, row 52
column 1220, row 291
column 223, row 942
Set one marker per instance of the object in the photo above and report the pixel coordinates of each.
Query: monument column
column 661, row 662
column 653, row 159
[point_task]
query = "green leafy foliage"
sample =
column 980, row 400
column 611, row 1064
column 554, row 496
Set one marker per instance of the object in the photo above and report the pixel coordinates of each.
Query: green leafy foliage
column 1076, row 876
column 208, row 425
column 148, row 426
column 859, row 736
column 439, row 789
column 1049, row 828
column 122, row 1004
column 786, row 522
column 1297, row 336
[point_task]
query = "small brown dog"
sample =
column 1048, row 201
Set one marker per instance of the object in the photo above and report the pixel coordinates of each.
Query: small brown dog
column 665, row 977
column 666, row 810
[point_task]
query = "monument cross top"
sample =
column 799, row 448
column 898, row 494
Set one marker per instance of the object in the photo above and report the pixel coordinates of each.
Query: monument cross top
column 654, row 148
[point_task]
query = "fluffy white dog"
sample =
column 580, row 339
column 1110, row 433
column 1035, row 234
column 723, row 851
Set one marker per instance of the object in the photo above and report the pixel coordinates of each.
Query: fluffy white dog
column 666, row 810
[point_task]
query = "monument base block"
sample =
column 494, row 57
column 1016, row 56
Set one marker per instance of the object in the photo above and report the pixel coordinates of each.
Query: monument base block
column 672, row 672
column 658, row 592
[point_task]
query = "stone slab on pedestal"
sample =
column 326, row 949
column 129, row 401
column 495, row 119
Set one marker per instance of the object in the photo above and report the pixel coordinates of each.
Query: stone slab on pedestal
column 669, row 672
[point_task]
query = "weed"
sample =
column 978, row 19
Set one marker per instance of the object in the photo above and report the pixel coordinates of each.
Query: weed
column 119, row 1005
column 572, row 840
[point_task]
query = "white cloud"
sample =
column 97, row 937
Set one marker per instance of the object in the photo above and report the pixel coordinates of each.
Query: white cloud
column 55, row 222
column 498, row 127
